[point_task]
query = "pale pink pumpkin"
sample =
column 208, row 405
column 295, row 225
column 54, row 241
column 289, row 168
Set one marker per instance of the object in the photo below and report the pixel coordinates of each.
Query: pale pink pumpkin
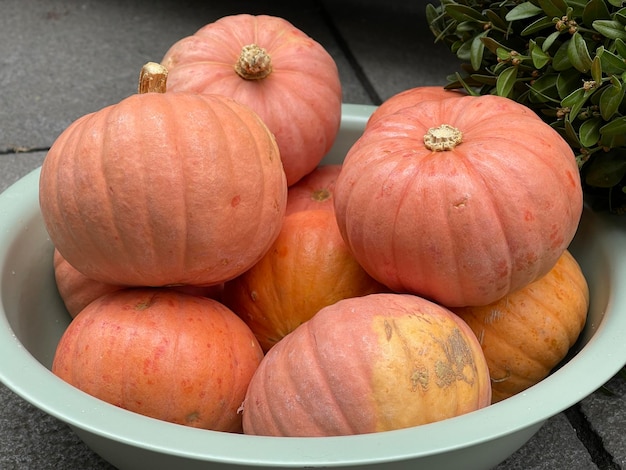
column 276, row 69
column 461, row 200
column 162, row 189
column 368, row 364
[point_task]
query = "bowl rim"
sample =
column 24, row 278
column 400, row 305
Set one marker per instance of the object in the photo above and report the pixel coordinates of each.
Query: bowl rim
column 32, row 381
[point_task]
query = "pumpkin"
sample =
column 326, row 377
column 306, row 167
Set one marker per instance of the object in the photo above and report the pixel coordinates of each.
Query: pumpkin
column 164, row 354
column 529, row 332
column 77, row 290
column 308, row 267
column 411, row 97
column 368, row 364
column 314, row 191
column 268, row 64
column 163, row 189
column 461, row 200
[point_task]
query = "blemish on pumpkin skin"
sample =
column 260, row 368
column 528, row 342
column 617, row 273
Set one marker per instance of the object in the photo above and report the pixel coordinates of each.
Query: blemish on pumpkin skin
column 192, row 417
column 388, row 330
column 419, row 378
column 457, row 356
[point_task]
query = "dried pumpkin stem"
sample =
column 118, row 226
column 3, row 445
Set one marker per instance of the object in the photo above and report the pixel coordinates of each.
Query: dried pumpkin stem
column 254, row 63
column 444, row 137
column 152, row 78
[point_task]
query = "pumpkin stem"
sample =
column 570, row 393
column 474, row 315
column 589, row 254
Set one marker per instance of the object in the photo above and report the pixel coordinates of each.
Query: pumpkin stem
column 152, row 78
column 444, row 137
column 254, row 63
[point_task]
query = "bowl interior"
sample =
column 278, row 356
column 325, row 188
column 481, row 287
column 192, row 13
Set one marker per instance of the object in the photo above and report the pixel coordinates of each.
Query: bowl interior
column 33, row 318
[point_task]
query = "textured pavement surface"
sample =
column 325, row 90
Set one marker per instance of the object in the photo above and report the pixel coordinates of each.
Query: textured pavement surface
column 60, row 59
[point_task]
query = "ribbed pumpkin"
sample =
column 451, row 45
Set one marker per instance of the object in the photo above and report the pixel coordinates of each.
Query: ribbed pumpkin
column 307, row 268
column 527, row 333
column 368, row 364
column 171, row 356
column 267, row 63
column 460, row 200
column 164, row 188
column 411, row 97
column 77, row 290
column 314, row 191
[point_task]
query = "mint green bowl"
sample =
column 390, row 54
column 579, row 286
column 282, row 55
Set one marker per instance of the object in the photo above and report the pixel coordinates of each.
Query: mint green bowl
column 32, row 319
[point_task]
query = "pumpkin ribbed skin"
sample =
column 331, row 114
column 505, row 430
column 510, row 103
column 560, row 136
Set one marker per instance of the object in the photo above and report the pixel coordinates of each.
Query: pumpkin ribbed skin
column 527, row 333
column 77, row 290
column 307, row 268
column 463, row 226
column 411, row 97
column 171, row 356
column 314, row 191
column 300, row 100
column 368, row 364
column 164, row 188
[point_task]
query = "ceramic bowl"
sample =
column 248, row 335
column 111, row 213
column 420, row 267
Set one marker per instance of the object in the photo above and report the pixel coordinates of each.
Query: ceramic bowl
column 32, row 319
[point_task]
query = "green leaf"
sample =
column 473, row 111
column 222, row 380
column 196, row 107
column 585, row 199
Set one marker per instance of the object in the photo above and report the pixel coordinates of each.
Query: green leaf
column 567, row 82
column 503, row 54
column 523, row 11
column 596, row 70
column 561, row 59
column 537, row 25
column 610, row 28
column 620, row 48
column 544, row 89
column 589, row 132
column 464, row 13
column 611, row 99
column 616, row 127
column 606, row 170
column 611, row 64
column 575, row 101
column 547, row 44
column 570, row 133
column 493, row 45
column 477, row 50
column 464, row 52
column 616, row 3
column 595, row 10
column 495, row 19
column 620, row 16
column 538, row 56
column 553, row 8
column 506, row 81
column 578, row 54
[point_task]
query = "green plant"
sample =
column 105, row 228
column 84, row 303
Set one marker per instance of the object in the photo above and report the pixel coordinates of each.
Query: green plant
column 564, row 59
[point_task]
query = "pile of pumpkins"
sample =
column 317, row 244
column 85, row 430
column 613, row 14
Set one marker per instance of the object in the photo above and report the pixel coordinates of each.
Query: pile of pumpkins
column 219, row 277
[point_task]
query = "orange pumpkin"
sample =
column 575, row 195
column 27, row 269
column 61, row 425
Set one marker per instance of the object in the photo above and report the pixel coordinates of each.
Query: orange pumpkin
column 308, row 267
column 266, row 63
column 171, row 356
column 368, row 364
column 314, row 191
column 411, row 97
column 527, row 333
column 460, row 200
column 140, row 193
column 77, row 290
